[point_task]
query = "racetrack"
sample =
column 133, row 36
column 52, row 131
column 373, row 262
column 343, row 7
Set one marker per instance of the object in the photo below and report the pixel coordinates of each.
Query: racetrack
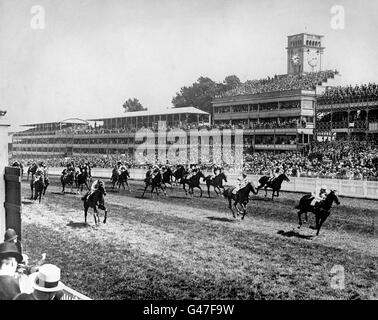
column 178, row 247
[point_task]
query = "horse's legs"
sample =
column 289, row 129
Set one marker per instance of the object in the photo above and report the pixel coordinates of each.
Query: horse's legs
column 317, row 222
column 40, row 196
column 105, row 215
column 299, row 218
column 199, row 187
column 186, row 193
column 145, row 188
column 244, row 210
column 237, row 209
column 322, row 219
column 230, row 206
column 85, row 213
column 273, row 194
column 208, row 190
column 95, row 214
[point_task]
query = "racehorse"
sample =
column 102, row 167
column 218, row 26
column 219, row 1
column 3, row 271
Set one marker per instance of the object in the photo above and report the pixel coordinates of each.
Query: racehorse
column 216, row 182
column 321, row 211
column 82, row 179
column 167, row 177
column 275, row 185
column 193, row 182
column 155, row 181
column 68, row 179
column 123, row 178
column 179, row 174
column 39, row 186
column 114, row 177
column 95, row 201
column 32, row 169
column 241, row 197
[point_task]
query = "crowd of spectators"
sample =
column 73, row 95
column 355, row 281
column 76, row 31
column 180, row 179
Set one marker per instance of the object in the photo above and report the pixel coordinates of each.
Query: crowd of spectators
column 21, row 281
column 357, row 93
column 306, row 81
column 331, row 159
column 356, row 160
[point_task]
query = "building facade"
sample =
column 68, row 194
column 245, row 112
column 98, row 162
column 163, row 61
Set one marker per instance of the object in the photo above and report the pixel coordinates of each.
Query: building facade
column 100, row 136
column 276, row 121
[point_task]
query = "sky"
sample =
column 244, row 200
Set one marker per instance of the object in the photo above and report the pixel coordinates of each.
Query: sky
column 92, row 55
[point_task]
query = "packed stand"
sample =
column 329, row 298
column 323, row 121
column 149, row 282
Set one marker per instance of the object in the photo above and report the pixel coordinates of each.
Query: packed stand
column 365, row 92
column 307, row 81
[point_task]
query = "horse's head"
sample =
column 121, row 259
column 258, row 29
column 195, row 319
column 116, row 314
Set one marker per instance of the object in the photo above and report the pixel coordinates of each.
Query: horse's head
column 251, row 187
column 200, row 174
column 223, row 175
column 101, row 187
column 284, row 177
column 332, row 195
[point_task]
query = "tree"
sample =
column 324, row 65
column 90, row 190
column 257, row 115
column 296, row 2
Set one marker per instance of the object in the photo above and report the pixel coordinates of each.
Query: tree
column 198, row 95
column 132, row 105
column 201, row 93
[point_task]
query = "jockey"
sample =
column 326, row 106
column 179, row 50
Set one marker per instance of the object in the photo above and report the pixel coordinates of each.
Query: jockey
column 217, row 170
column 241, row 183
column 274, row 174
column 94, row 187
column 319, row 195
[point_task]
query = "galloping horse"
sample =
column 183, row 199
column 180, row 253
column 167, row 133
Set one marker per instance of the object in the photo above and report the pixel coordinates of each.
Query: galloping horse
column 155, row 181
column 68, row 179
column 95, row 201
column 123, row 179
column 179, row 174
column 216, row 182
column 82, row 179
column 242, row 197
column 193, row 182
column 275, row 185
column 321, row 211
column 167, row 177
column 32, row 170
column 114, row 177
column 39, row 186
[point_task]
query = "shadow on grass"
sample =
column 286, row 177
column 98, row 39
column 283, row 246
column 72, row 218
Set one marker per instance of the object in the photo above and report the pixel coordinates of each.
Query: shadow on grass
column 27, row 202
column 292, row 233
column 220, row 219
column 77, row 224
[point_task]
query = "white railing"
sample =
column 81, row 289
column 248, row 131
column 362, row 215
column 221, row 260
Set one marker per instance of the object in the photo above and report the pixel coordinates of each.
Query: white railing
column 350, row 188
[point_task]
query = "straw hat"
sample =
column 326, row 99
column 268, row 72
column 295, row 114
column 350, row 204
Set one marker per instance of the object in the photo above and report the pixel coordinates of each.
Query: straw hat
column 47, row 279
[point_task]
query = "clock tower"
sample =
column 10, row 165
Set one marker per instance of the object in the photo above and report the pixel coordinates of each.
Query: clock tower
column 304, row 53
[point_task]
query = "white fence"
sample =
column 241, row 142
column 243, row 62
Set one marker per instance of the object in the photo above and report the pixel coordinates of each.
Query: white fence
column 349, row 188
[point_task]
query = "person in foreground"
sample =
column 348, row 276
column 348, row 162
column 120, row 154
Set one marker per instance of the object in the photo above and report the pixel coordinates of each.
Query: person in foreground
column 46, row 284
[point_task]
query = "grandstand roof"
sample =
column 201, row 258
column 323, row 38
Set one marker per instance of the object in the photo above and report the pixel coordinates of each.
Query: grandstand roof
column 191, row 110
column 153, row 113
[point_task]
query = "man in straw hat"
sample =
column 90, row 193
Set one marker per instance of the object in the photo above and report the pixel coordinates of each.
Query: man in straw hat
column 9, row 259
column 46, row 284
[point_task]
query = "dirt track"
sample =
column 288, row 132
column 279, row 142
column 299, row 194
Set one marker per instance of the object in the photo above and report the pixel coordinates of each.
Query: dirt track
column 178, row 247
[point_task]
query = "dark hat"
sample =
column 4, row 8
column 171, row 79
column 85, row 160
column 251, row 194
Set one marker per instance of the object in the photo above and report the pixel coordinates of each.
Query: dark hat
column 10, row 235
column 8, row 249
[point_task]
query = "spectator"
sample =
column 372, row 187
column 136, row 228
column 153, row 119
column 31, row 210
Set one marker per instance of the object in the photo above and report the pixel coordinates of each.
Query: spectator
column 46, row 284
column 9, row 258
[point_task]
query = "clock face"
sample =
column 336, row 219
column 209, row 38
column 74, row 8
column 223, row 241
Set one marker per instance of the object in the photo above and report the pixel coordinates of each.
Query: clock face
column 295, row 59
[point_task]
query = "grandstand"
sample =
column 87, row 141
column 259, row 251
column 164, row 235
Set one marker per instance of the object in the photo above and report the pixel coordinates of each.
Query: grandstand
column 349, row 113
column 101, row 135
